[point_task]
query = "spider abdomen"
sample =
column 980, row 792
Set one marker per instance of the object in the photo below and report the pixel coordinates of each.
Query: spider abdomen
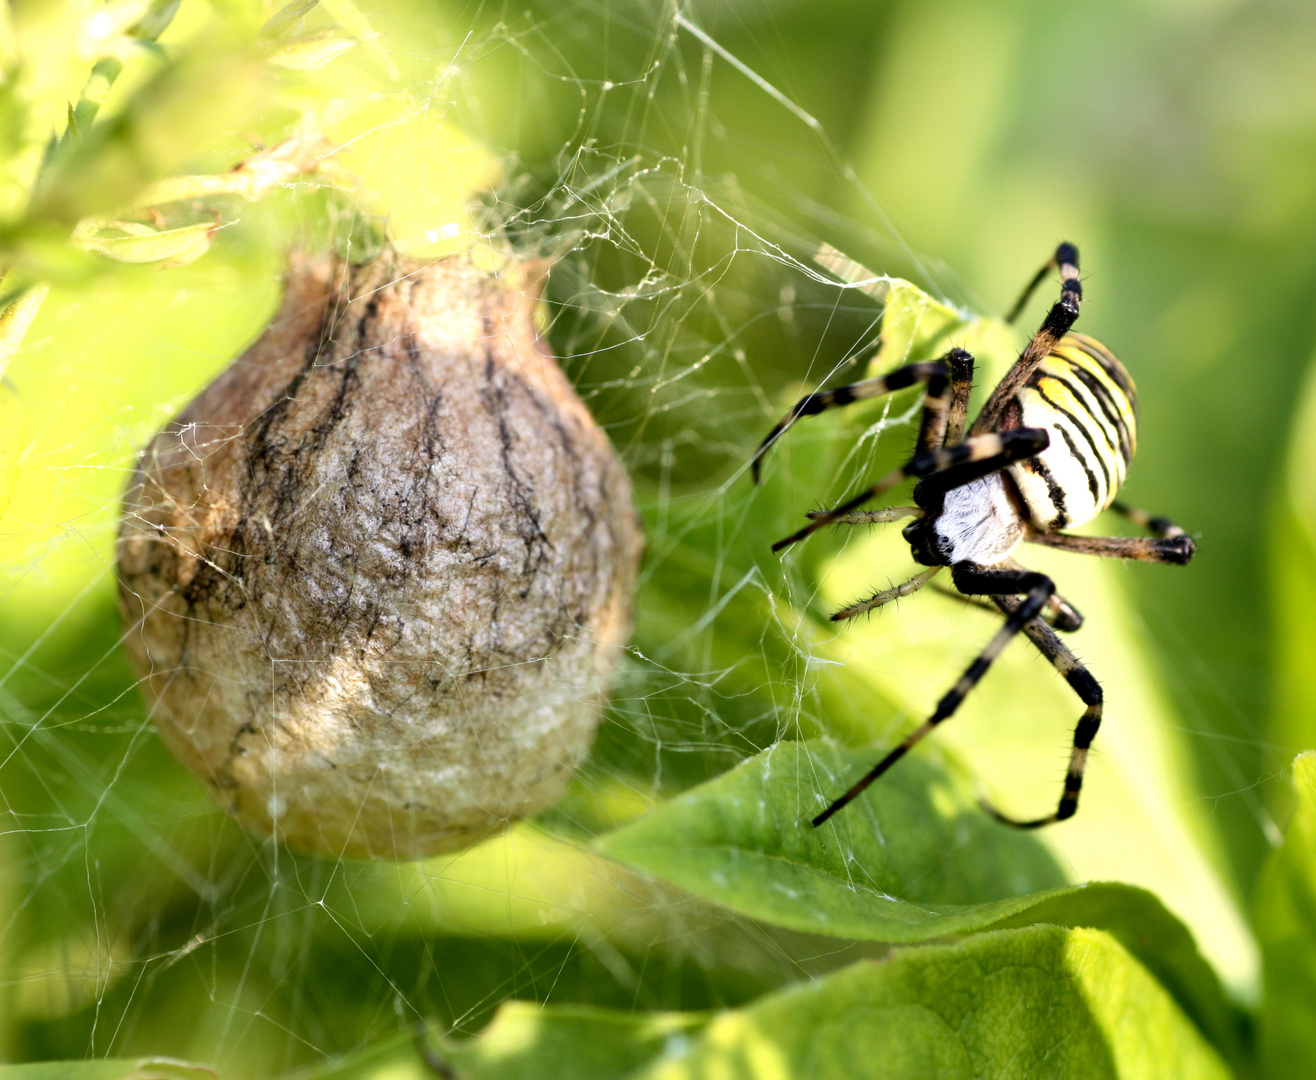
column 1085, row 399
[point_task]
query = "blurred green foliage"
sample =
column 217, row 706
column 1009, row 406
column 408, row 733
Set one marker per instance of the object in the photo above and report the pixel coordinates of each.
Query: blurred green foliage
column 1286, row 925
column 681, row 175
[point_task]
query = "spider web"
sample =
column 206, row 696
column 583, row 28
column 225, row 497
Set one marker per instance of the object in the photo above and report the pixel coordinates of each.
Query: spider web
column 681, row 193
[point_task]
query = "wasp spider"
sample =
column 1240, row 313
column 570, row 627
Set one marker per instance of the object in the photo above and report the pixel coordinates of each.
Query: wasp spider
column 1048, row 451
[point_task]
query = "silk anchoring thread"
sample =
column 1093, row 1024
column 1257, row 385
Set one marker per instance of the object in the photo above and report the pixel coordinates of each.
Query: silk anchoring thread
column 378, row 575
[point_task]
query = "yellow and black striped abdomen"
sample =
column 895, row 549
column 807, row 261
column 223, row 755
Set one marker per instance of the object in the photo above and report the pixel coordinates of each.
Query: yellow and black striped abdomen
column 1085, row 399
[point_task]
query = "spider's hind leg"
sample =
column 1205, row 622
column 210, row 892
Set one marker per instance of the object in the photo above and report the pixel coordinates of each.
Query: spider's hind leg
column 1059, row 613
column 1167, row 544
column 1089, row 692
column 981, row 581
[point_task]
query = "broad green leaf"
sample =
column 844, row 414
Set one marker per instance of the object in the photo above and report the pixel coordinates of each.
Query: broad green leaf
column 109, row 1069
column 912, row 860
column 1042, row 1002
column 1286, row 927
column 544, row 893
column 176, row 246
column 529, row 1042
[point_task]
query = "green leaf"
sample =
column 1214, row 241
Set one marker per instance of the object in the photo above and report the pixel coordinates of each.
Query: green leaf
column 528, row 1042
column 1286, row 927
column 107, row 1069
column 177, row 246
column 911, row 860
column 885, row 869
column 1041, row 1002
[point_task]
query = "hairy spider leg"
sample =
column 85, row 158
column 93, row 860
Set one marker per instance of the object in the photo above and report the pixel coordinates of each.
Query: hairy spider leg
column 945, row 468
column 1089, row 692
column 1173, row 549
column 905, row 588
column 1169, row 543
column 1055, row 326
column 980, row 581
column 880, row 517
column 870, row 517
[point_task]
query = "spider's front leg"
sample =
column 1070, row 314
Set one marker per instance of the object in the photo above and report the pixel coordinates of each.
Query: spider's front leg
column 936, row 402
column 1058, row 321
column 974, row 580
column 945, row 403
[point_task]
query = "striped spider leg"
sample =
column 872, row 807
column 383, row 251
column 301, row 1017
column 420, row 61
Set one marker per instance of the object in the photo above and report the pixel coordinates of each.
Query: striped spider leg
column 1168, row 544
column 977, row 581
column 1059, row 613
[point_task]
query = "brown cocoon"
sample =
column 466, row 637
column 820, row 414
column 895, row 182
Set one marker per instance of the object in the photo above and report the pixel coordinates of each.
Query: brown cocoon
column 377, row 575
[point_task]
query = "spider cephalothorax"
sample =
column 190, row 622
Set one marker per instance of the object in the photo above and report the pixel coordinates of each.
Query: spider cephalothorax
column 1048, row 451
